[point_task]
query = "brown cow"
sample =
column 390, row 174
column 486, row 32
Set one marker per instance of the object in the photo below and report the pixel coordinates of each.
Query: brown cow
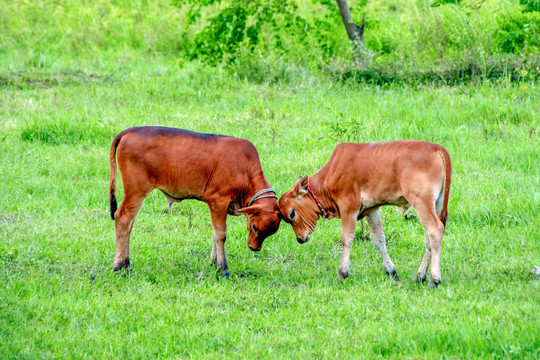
column 225, row 172
column 360, row 178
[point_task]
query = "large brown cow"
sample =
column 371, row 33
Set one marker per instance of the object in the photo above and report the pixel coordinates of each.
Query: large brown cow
column 360, row 178
column 225, row 172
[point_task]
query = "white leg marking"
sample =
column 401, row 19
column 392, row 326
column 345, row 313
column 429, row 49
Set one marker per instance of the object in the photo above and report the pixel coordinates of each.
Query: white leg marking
column 377, row 236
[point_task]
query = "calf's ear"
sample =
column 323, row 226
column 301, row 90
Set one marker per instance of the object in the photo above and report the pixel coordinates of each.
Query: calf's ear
column 253, row 209
column 301, row 186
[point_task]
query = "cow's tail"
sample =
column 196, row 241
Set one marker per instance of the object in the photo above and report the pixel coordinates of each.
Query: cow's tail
column 112, row 185
column 447, row 163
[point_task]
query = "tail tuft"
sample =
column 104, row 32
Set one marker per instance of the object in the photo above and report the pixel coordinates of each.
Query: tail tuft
column 114, row 205
column 112, row 185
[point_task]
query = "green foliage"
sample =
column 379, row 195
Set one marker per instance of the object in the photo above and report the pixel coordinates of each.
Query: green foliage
column 530, row 5
column 240, row 24
column 519, row 31
column 404, row 39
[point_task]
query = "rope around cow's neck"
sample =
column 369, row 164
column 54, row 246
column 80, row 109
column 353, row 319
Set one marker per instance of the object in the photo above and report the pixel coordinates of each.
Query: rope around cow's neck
column 321, row 208
column 258, row 196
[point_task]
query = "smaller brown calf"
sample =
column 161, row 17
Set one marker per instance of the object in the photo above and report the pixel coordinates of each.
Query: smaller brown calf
column 223, row 171
column 359, row 179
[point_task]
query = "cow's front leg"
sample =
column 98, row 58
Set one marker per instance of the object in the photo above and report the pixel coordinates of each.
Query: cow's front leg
column 347, row 235
column 219, row 231
column 377, row 236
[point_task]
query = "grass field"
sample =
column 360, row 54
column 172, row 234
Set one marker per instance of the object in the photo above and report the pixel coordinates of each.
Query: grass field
column 59, row 297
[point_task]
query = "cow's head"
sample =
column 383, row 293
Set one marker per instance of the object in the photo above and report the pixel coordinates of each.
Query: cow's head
column 300, row 210
column 262, row 221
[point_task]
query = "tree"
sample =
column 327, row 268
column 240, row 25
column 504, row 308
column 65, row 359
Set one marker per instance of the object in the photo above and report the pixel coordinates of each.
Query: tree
column 355, row 32
column 235, row 25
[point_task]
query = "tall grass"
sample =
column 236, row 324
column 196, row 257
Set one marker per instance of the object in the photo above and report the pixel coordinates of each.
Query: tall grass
column 60, row 298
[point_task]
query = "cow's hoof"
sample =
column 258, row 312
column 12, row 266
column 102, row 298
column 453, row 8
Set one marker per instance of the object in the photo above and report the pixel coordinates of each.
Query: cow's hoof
column 433, row 283
column 393, row 274
column 410, row 216
column 420, row 277
column 122, row 265
column 224, row 272
column 342, row 275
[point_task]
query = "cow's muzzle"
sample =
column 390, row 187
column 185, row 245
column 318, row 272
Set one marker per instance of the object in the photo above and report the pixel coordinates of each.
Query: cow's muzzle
column 253, row 249
column 303, row 241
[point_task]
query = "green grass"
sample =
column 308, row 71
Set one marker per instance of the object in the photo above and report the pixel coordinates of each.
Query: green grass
column 60, row 299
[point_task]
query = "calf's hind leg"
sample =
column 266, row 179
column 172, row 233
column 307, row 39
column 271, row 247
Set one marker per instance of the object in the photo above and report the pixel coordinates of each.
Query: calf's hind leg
column 377, row 236
column 435, row 230
column 124, row 218
column 422, row 270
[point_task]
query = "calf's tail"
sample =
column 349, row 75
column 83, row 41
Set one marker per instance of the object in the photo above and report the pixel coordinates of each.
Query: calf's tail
column 112, row 185
column 445, row 156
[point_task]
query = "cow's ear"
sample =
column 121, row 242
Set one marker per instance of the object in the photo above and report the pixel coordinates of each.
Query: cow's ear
column 253, row 209
column 301, row 186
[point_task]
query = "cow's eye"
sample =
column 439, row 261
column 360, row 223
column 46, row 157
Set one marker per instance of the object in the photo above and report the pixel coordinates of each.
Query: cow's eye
column 255, row 227
column 292, row 214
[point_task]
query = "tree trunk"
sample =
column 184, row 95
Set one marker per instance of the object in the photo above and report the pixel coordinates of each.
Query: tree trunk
column 355, row 32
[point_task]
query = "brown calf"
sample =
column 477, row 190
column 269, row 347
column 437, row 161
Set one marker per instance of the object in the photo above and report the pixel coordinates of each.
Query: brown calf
column 225, row 172
column 360, row 178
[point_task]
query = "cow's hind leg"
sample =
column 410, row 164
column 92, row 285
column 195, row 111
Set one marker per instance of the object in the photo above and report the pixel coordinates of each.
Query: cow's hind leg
column 422, row 270
column 124, row 218
column 219, row 230
column 435, row 230
column 377, row 236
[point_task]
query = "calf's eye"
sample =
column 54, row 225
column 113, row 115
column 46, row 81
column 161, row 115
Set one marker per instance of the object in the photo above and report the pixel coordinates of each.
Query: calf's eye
column 292, row 213
column 255, row 227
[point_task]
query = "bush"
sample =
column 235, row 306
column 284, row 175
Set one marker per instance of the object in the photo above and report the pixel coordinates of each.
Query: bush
column 518, row 31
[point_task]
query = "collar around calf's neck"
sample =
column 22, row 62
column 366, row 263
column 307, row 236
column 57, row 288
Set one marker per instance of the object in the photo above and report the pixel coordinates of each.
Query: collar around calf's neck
column 321, row 208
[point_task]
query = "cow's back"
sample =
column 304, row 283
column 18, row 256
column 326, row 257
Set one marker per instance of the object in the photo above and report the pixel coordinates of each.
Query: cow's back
column 379, row 166
column 180, row 162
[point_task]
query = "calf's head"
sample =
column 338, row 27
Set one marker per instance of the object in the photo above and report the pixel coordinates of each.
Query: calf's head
column 298, row 208
column 262, row 221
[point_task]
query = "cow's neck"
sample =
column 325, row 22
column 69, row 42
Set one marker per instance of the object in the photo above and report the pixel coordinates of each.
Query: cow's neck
column 323, row 196
column 257, row 183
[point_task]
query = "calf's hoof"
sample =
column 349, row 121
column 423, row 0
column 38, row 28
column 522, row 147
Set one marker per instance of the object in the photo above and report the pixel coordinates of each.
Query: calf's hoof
column 393, row 274
column 224, row 272
column 409, row 216
column 121, row 265
column 342, row 275
column 433, row 283
column 420, row 277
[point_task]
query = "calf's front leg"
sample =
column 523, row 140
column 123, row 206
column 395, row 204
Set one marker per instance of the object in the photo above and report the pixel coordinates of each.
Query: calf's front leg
column 219, row 232
column 347, row 234
column 213, row 254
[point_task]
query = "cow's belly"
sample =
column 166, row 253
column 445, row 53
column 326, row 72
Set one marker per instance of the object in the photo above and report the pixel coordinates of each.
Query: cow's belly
column 369, row 200
column 178, row 193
